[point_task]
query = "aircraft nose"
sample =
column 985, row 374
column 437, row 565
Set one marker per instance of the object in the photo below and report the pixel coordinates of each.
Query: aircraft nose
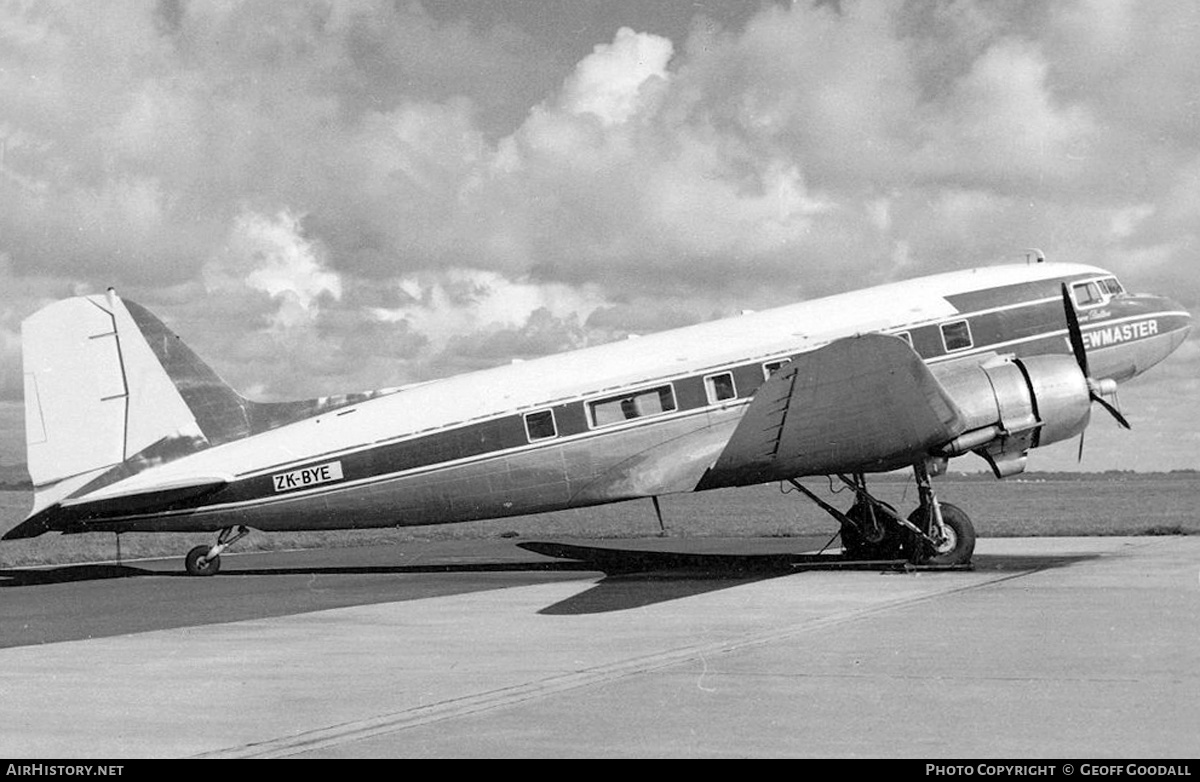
column 1175, row 321
column 1149, row 329
column 1183, row 317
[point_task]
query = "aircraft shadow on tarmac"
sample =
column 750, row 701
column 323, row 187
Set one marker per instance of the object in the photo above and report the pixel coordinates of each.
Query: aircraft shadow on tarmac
column 638, row 578
column 20, row 577
column 635, row 578
column 566, row 559
column 632, row 577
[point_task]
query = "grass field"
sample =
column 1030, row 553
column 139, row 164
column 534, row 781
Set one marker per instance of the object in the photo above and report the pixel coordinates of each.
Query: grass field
column 1141, row 505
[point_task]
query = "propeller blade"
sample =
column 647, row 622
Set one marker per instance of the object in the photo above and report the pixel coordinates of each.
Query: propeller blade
column 1080, row 459
column 1074, row 332
column 1113, row 411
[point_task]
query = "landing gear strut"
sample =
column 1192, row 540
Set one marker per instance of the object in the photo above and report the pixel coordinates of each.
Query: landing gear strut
column 872, row 529
column 206, row 560
column 936, row 533
column 947, row 534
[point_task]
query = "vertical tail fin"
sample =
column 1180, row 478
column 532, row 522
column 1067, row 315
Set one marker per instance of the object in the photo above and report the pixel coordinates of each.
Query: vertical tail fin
column 107, row 385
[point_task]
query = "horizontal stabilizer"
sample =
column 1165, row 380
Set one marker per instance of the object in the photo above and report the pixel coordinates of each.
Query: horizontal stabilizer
column 150, row 496
column 113, row 501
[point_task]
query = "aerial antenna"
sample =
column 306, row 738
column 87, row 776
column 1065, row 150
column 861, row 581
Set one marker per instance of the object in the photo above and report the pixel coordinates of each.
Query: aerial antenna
column 1033, row 254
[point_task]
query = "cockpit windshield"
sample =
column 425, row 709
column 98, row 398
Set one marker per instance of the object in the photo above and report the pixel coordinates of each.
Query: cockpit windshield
column 1094, row 292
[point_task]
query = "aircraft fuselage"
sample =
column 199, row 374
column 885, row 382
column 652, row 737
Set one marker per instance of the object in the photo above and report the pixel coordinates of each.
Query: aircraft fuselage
column 641, row 417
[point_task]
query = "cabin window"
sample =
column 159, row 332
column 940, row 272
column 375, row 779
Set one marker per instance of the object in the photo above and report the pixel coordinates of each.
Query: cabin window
column 1110, row 286
column 540, row 425
column 720, row 387
column 956, row 335
column 771, row 367
column 617, row 409
column 1087, row 294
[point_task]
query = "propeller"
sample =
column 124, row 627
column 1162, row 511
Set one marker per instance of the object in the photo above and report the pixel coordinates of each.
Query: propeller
column 1097, row 390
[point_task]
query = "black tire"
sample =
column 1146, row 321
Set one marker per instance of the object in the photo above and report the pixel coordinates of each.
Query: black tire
column 856, row 547
column 960, row 534
column 197, row 566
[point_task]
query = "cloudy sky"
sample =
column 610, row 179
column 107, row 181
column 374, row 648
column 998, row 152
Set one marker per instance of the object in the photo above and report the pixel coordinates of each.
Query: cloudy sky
column 334, row 196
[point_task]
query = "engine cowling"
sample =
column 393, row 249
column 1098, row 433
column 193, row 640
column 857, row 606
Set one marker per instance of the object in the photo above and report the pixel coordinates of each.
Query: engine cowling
column 1011, row 405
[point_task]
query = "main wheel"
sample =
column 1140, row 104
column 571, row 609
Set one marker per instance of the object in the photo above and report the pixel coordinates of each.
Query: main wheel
column 889, row 543
column 958, row 545
column 198, row 566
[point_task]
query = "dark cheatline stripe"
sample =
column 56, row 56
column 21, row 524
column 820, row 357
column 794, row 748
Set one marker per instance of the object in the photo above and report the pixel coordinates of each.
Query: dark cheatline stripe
column 570, row 419
column 689, row 393
column 985, row 299
column 927, row 341
column 747, row 378
column 993, row 329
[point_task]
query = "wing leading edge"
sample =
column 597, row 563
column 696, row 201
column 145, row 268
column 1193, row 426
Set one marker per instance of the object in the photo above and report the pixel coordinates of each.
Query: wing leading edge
column 860, row 404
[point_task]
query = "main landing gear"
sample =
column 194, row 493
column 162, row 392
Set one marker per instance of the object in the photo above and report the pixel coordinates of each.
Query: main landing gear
column 206, row 560
column 936, row 533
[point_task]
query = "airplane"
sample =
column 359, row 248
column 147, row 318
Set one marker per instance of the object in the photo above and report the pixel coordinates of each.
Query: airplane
column 127, row 429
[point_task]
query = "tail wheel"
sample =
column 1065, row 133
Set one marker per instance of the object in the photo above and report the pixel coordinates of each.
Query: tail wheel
column 198, row 565
column 957, row 546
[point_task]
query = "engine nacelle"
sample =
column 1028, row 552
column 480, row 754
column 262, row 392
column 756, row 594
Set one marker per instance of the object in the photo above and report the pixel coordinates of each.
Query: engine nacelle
column 1061, row 390
column 1011, row 405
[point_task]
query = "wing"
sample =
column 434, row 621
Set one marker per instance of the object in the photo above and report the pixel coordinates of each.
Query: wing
column 860, row 404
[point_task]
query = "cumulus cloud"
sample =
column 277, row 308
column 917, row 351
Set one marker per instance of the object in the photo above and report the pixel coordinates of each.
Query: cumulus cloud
column 610, row 83
column 468, row 301
column 1002, row 125
column 271, row 255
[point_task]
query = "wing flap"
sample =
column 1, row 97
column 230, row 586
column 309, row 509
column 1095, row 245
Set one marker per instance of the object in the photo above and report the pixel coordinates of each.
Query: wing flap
column 859, row 404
